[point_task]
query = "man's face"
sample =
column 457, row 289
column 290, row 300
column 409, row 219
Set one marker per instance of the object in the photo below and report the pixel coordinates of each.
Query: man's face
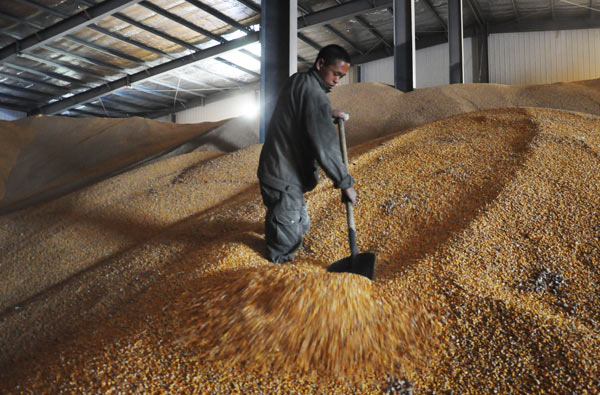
column 332, row 73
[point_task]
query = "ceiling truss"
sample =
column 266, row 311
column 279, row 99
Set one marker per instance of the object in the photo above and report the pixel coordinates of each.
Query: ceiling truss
column 54, row 69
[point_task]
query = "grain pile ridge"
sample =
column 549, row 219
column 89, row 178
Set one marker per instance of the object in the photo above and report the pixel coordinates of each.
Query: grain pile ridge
column 485, row 227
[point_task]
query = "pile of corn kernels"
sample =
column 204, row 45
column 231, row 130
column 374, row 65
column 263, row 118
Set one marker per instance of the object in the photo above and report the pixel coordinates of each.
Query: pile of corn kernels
column 487, row 236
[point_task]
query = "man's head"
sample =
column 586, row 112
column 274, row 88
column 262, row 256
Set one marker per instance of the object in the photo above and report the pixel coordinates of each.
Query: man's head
column 332, row 63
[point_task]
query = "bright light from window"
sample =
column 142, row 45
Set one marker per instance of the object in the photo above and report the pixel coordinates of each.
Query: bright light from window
column 251, row 110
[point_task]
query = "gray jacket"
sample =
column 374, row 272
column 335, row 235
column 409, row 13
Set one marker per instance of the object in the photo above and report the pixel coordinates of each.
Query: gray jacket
column 301, row 136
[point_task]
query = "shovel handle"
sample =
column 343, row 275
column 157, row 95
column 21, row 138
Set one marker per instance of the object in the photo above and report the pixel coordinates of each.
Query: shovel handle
column 349, row 212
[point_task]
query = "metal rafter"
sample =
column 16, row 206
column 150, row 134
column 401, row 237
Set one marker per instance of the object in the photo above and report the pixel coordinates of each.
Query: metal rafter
column 66, row 26
column 124, row 93
column 175, row 87
column 25, row 100
column 238, row 67
column 333, row 30
column 49, row 74
column 70, row 67
column 105, row 50
column 342, row 37
column 517, row 11
column 437, row 15
column 250, row 4
column 477, row 12
column 177, row 19
column 26, row 80
column 219, row 15
column 310, row 42
column 42, row 7
column 374, row 31
column 197, row 29
column 27, row 91
column 20, row 20
column 122, row 103
column 93, row 61
column 112, row 86
column 342, row 11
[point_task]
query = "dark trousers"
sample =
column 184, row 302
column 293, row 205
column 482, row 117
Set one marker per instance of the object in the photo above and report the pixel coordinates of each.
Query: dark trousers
column 286, row 222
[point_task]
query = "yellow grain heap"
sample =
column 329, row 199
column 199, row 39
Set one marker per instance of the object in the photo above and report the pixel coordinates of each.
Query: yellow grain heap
column 486, row 230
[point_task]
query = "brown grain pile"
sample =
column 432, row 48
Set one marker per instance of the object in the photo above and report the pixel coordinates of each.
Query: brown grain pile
column 45, row 157
column 369, row 103
column 486, row 232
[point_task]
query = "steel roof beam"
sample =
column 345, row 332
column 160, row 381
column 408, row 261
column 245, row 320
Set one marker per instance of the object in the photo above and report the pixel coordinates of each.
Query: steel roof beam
column 151, row 91
column 84, row 58
column 19, row 99
column 112, row 86
column 310, row 42
column 197, row 29
column 108, row 109
column 26, row 80
column 20, row 20
column 517, row 11
column 42, row 7
column 124, row 93
column 105, row 50
column 238, row 67
column 73, row 68
column 250, row 4
column 373, row 31
column 66, row 26
column 27, row 91
column 181, row 21
column 121, row 103
column 345, row 10
column 83, row 112
column 344, row 38
column 219, row 15
column 127, row 40
column 437, row 15
column 175, row 87
column 48, row 74
column 477, row 12
column 174, row 109
column 545, row 25
column 172, row 39
column 334, row 31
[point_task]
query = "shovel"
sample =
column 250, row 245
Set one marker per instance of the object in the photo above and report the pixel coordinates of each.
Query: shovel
column 356, row 263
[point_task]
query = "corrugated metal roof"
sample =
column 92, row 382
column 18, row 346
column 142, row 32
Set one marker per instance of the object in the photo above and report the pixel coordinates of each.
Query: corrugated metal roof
column 91, row 49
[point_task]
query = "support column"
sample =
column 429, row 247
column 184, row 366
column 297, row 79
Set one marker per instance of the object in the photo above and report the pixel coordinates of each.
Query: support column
column 480, row 55
column 404, row 45
column 455, row 41
column 278, row 42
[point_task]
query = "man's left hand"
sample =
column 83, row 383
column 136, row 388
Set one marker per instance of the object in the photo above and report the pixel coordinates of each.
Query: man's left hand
column 349, row 195
column 337, row 114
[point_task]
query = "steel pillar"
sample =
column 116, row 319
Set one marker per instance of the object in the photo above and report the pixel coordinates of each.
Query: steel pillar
column 278, row 37
column 404, row 45
column 455, row 41
column 480, row 55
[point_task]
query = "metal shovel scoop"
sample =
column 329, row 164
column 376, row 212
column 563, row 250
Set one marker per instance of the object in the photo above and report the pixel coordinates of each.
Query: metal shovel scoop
column 356, row 263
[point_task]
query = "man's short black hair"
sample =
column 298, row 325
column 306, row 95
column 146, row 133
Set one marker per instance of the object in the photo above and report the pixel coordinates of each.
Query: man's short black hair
column 332, row 53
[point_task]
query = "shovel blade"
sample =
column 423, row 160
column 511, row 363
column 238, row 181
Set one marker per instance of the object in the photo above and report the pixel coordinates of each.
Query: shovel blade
column 362, row 264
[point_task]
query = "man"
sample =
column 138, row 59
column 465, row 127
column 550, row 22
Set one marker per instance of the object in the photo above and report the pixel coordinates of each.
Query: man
column 301, row 136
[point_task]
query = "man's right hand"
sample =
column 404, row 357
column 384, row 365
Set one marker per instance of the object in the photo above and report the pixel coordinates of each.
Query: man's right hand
column 349, row 195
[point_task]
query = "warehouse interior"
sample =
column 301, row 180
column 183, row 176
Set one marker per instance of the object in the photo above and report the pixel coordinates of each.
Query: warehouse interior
column 132, row 239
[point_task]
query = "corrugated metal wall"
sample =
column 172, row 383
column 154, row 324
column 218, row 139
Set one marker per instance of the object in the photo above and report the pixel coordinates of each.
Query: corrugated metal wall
column 431, row 64
column 544, row 57
column 514, row 58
